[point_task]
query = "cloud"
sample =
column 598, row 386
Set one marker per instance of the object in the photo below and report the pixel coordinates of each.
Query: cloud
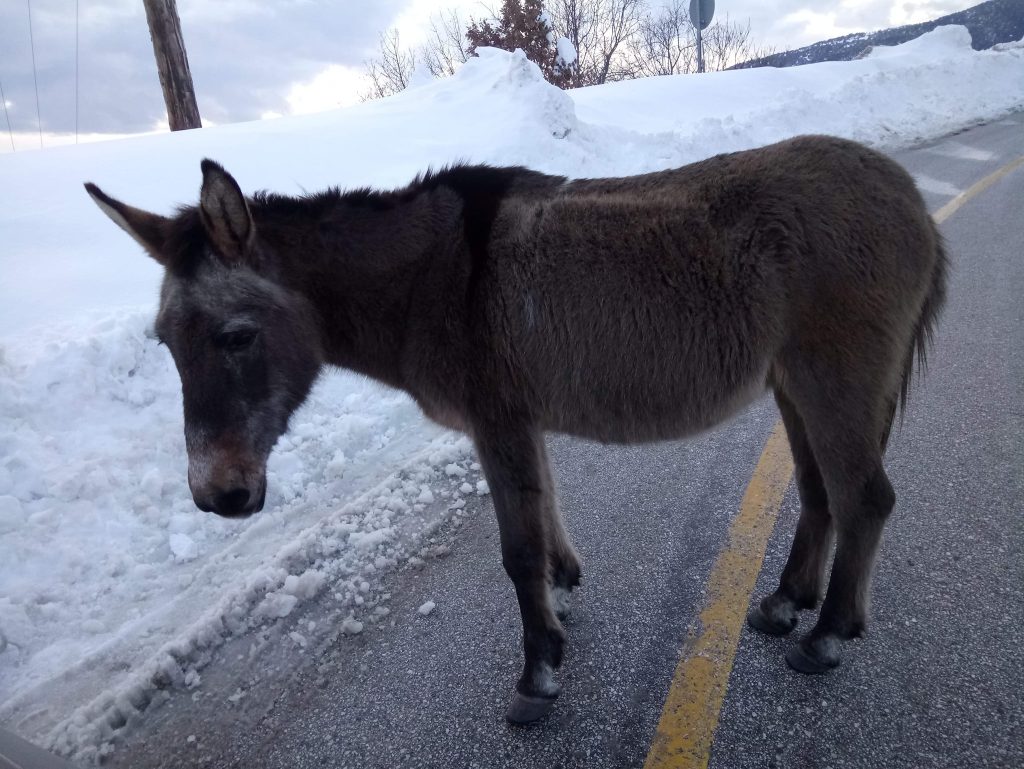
column 336, row 86
column 916, row 11
column 795, row 23
column 245, row 56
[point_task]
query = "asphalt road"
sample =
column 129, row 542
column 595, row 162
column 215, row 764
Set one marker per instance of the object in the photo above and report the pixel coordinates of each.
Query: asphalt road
column 938, row 682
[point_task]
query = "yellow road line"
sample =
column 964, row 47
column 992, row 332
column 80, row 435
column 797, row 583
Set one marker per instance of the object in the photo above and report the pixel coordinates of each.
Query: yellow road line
column 690, row 715
column 951, row 207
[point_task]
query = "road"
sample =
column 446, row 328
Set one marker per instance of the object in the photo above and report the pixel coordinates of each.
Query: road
column 937, row 682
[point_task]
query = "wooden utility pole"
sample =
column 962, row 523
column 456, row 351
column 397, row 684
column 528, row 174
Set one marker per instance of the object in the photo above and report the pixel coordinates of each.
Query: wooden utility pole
column 172, row 64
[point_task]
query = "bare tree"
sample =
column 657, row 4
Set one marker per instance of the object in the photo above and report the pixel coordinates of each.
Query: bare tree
column 728, row 42
column 598, row 29
column 390, row 72
column 666, row 43
column 444, row 52
column 619, row 21
column 446, row 49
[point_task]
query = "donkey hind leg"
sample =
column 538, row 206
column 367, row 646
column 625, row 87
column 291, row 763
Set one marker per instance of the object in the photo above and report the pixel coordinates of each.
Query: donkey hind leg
column 513, row 461
column 800, row 586
column 847, row 444
column 563, row 562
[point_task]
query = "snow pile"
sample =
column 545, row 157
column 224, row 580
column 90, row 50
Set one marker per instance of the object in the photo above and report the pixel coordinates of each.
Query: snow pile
column 113, row 584
column 532, row 105
column 113, row 587
column 897, row 96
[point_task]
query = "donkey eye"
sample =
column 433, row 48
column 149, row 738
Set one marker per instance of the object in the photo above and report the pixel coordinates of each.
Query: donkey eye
column 234, row 341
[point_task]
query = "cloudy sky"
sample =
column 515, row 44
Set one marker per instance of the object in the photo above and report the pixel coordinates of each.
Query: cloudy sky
column 256, row 58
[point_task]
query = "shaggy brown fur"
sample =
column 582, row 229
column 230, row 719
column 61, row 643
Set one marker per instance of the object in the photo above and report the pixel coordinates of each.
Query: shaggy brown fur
column 509, row 303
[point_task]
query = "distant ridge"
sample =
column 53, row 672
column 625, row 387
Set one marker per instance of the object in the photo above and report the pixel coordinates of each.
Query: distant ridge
column 996, row 21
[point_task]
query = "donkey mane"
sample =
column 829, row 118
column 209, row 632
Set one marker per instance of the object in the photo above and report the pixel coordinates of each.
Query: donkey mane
column 471, row 182
column 481, row 188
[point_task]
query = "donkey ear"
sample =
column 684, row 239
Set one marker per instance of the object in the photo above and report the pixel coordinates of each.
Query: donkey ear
column 225, row 213
column 147, row 229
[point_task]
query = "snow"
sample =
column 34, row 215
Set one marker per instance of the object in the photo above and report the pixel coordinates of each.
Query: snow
column 545, row 19
column 420, row 76
column 112, row 585
column 351, row 626
column 934, row 86
column 183, row 547
column 566, row 52
column 453, row 470
column 12, row 514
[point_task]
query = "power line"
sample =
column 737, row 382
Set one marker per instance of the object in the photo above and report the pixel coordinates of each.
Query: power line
column 10, row 132
column 35, row 79
column 76, row 71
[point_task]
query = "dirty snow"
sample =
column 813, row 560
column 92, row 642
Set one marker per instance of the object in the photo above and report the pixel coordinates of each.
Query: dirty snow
column 113, row 586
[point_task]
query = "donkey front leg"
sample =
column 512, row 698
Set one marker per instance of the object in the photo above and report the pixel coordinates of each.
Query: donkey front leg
column 513, row 461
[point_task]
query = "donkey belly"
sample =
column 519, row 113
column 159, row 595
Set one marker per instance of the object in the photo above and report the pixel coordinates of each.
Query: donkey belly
column 642, row 417
column 662, row 388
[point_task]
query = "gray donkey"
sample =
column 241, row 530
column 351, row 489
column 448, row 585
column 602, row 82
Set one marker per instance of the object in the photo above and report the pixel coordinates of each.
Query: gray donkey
column 509, row 303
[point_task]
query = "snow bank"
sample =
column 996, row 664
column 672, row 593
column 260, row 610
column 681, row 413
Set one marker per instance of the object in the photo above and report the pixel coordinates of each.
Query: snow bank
column 897, row 96
column 112, row 586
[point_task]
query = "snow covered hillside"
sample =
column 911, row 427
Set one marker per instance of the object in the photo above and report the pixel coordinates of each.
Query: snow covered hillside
column 112, row 585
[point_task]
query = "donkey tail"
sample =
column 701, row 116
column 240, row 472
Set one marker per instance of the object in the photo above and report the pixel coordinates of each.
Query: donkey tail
column 924, row 331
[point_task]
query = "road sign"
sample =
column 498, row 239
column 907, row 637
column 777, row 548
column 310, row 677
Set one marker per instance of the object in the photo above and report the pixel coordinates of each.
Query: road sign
column 701, row 12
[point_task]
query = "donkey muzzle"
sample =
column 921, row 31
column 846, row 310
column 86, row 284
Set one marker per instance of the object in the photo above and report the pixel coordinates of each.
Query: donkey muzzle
column 238, row 502
column 226, row 484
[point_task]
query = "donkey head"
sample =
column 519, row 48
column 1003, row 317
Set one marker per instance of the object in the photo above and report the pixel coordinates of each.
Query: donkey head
column 247, row 348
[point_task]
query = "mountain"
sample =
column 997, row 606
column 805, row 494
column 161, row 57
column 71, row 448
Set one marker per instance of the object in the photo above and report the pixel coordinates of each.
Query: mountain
column 997, row 21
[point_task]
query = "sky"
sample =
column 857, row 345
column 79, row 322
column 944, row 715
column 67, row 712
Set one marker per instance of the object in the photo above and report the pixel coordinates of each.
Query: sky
column 252, row 59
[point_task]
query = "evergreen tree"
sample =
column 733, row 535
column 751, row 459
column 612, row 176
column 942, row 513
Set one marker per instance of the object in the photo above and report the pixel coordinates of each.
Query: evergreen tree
column 523, row 24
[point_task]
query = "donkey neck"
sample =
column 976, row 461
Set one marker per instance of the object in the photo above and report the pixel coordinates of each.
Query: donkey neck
column 356, row 259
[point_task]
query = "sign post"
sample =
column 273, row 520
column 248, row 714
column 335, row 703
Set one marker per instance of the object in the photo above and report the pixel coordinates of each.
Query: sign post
column 701, row 13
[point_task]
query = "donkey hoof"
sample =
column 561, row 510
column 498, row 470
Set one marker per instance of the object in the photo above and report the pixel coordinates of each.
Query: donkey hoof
column 765, row 623
column 525, row 709
column 808, row 658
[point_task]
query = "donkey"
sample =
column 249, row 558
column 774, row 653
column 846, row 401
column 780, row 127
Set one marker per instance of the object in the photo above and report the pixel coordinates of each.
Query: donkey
column 508, row 303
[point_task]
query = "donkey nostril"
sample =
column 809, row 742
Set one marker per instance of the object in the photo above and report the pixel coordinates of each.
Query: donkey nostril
column 232, row 502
